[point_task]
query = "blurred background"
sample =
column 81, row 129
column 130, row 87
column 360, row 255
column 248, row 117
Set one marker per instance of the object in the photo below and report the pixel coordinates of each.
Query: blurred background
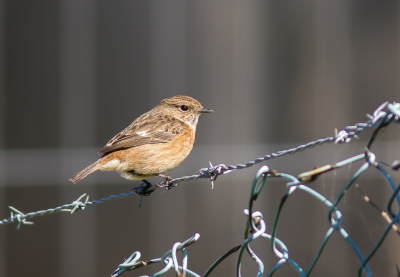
column 73, row 73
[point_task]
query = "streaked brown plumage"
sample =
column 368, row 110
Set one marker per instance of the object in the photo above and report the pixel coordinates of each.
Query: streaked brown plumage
column 152, row 145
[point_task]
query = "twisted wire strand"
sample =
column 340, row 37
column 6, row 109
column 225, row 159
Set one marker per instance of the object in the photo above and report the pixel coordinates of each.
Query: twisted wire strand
column 203, row 173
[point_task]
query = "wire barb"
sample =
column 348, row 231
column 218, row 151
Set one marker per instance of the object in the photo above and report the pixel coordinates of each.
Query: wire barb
column 78, row 204
column 19, row 218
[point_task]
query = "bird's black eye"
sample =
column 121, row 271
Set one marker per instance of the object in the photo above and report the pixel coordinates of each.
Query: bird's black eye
column 184, row 108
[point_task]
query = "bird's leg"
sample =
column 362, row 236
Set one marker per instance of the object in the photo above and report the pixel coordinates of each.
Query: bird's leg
column 148, row 184
column 167, row 179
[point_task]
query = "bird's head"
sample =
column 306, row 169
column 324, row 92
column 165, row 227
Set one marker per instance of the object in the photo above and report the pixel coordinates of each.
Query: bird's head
column 184, row 108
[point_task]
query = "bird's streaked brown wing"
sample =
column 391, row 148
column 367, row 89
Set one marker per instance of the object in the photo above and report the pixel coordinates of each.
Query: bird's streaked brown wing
column 147, row 129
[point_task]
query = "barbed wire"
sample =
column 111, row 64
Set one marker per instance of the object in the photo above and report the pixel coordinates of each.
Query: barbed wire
column 378, row 118
column 256, row 227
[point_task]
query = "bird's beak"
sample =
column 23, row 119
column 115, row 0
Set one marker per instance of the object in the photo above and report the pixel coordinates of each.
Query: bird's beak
column 205, row 111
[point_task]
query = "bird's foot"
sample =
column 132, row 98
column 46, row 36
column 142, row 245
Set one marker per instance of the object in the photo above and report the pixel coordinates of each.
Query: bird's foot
column 143, row 190
column 167, row 185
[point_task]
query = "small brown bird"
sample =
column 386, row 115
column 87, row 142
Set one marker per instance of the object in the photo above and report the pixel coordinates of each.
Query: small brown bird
column 154, row 144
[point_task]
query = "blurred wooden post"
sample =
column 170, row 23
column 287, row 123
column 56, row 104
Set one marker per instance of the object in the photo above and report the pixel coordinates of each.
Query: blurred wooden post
column 77, row 129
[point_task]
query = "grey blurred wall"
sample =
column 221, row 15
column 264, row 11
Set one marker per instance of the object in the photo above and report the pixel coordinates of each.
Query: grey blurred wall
column 73, row 73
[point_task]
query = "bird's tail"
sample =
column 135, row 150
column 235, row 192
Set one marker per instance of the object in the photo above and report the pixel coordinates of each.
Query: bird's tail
column 85, row 172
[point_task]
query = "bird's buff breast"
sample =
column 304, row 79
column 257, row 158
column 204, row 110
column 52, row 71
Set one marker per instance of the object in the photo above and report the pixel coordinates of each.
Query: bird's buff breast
column 149, row 160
